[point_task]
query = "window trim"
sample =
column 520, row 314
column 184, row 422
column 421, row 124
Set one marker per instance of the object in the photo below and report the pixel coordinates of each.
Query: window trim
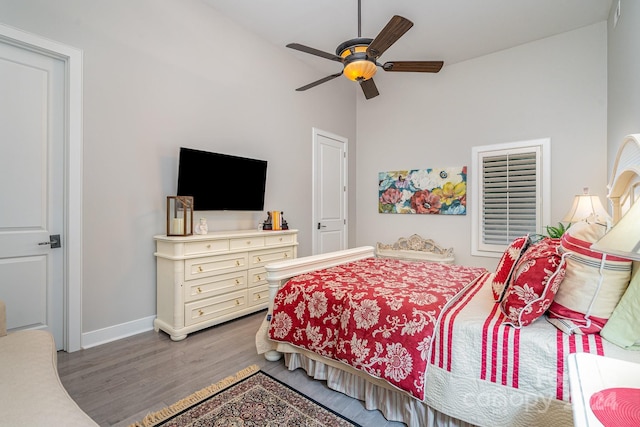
column 543, row 214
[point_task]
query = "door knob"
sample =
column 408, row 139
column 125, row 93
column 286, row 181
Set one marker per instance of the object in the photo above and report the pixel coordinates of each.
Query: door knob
column 54, row 241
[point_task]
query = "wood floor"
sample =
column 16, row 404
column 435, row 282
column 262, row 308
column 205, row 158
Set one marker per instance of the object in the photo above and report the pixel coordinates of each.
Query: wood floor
column 120, row 382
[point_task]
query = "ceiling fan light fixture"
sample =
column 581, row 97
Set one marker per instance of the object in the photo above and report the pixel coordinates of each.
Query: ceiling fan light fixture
column 357, row 64
column 360, row 69
column 350, row 50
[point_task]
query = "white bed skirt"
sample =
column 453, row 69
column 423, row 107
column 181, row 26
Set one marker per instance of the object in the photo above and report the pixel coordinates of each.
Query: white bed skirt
column 394, row 405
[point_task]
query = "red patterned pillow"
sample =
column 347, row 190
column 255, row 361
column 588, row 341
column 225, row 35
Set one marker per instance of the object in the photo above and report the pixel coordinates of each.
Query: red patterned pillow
column 506, row 266
column 535, row 281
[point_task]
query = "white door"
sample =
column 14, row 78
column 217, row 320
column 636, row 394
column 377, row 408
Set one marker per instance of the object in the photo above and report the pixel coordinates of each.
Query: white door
column 32, row 132
column 329, row 192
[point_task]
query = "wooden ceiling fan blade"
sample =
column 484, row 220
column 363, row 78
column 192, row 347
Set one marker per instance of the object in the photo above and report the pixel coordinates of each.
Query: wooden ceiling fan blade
column 316, row 52
column 369, row 89
column 319, row 82
column 394, row 29
column 414, row 66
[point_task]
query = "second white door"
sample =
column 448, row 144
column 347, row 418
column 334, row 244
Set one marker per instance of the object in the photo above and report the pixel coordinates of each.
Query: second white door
column 329, row 192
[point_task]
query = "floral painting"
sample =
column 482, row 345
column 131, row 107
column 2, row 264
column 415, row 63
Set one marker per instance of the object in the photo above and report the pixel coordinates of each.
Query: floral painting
column 423, row 191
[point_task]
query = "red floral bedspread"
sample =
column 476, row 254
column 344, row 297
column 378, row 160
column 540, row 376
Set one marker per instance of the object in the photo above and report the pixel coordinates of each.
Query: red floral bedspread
column 377, row 315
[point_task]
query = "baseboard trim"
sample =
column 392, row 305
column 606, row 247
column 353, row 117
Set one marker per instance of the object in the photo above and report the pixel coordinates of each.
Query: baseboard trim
column 116, row 332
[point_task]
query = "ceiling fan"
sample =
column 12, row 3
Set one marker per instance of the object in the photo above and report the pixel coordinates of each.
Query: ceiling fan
column 359, row 56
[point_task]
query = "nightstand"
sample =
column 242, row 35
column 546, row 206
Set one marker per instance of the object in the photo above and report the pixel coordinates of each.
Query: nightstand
column 589, row 374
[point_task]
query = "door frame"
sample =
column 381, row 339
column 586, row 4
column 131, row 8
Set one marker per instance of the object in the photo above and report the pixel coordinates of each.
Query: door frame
column 72, row 205
column 345, row 194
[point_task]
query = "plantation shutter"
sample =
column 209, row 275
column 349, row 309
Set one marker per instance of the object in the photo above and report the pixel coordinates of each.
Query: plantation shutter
column 510, row 195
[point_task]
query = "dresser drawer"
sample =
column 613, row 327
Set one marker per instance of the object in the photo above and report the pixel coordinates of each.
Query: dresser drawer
column 215, row 285
column 211, row 308
column 257, row 276
column 282, row 239
column 259, row 296
column 246, row 243
column 210, row 266
column 262, row 258
column 206, row 247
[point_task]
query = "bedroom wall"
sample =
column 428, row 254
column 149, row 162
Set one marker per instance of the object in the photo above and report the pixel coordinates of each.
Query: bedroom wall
column 624, row 69
column 160, row 74
column 555, row 87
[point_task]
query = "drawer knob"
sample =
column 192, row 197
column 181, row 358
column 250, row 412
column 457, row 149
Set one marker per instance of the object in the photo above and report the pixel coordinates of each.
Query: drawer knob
column 237, row 282
column 208, row 246
column 200, row 312
column 259, row 296
column 199, row 290
column 286, row 255
column 258, row 277
column 281, row 239
column 200, row 268
column 237, row 302
column 237, row 263
column 248, row 242
column 259, row 260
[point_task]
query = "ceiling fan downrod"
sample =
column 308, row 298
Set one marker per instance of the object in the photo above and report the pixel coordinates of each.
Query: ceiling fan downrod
column 359, row 18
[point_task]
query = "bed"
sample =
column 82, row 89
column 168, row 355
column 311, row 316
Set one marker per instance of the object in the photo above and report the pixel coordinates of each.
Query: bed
column 474, row 361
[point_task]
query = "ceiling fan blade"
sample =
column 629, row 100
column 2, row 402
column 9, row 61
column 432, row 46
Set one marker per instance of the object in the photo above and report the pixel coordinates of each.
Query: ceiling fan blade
column 318, row 82
column 414, row 66
column 369, row 89
column 394, row 29
column 316, row 52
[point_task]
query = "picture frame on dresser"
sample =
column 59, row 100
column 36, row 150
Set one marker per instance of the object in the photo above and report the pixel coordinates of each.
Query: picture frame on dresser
column 204, row 280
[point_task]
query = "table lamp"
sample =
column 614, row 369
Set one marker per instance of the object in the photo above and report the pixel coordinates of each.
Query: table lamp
column 587, row 207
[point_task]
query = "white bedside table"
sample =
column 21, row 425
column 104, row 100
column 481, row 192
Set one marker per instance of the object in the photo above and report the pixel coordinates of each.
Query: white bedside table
column 589, row 374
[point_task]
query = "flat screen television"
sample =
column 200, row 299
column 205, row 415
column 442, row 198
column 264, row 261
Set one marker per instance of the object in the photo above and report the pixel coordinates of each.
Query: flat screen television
column 220, row 182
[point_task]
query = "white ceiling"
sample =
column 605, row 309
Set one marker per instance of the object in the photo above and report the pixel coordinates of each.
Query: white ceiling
column 448, row 30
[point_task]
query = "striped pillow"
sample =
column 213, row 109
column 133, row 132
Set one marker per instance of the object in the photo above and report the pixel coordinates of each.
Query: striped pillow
column 593, row 284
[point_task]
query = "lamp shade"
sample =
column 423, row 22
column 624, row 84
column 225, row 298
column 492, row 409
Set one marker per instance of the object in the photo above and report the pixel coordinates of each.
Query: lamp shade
column 624, row 238
column 586, row 206
column 360, row 69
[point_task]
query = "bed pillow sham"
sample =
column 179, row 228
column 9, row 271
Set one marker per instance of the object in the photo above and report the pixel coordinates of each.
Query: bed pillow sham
column 507, row 265
column 535, row 282
column 593, row 284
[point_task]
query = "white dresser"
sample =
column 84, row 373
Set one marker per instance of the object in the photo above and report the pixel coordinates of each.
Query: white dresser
column 208, row 279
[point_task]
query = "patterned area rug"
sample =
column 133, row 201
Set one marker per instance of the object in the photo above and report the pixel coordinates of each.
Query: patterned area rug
column 251, row 398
